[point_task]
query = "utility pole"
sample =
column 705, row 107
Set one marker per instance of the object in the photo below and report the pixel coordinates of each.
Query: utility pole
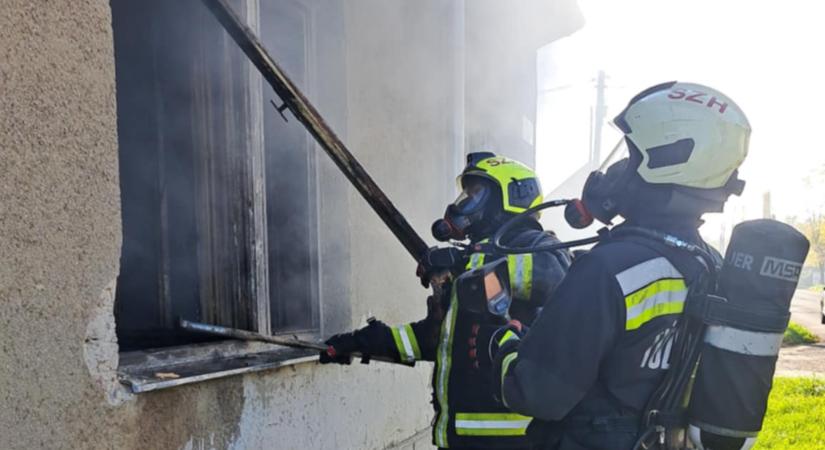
column 766, row 205
column 599, row 113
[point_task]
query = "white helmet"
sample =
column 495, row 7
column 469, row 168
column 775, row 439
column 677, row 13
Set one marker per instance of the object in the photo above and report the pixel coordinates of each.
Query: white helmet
column 685, row 141
column 688, row 135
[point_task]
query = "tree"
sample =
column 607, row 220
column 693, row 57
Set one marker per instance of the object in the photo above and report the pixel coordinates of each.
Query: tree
column 814, row 229
column 814, row 226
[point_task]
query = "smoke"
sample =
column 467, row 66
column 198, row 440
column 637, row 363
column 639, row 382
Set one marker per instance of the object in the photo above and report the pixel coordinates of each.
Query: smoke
column 224, row 202
column 190, row 120
column 502, row 42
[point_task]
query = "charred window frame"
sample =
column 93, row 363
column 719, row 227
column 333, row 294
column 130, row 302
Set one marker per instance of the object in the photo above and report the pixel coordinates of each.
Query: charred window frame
column 219, row 195
column 292, row 201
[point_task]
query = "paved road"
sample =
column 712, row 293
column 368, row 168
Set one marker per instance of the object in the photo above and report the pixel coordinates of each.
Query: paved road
column 805, row 311
column 804, row 360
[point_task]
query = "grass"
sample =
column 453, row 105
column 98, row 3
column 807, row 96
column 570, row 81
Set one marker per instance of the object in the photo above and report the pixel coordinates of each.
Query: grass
column 796, row 334
column 796, row 415
column 817, row 287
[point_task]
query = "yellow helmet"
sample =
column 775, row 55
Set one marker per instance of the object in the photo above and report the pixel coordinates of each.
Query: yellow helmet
column 519, row 185
column 476, row 212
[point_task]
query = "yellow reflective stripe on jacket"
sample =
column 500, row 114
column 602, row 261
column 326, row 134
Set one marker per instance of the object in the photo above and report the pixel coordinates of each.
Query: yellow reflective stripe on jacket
column 521, row 275
column 491, row 424
column 406, row 343
column 659, row 299
column 507, row 336
column 652, row 289
column 505, row 366
column 476, row 259
column 443, row 362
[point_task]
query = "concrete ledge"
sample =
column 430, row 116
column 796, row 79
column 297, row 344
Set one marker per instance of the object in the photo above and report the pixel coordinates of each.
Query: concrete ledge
column 151, row 370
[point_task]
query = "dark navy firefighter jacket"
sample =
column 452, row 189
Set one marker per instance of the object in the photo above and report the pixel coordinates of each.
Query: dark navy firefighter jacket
column 466, row 413
column 601, row 345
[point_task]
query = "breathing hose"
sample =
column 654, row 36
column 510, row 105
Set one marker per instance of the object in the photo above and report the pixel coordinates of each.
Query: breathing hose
column 500, row 248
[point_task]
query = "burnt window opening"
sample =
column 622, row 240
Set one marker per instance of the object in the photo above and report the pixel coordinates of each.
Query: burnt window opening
column 218, row 194
column 291, row 208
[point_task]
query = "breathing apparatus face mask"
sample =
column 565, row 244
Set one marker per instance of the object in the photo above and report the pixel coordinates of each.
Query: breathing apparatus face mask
column 603, row 192
column 466, row 211
column 616, row 189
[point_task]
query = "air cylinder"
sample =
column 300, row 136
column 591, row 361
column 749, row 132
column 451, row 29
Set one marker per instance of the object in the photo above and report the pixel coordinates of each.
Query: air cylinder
column 733, row 380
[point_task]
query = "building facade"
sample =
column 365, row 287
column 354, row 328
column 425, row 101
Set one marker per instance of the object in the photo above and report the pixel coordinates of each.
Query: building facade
column 145, row 178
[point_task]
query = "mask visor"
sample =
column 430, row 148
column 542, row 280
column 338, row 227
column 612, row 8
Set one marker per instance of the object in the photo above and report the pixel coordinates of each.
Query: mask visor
column 619, row 152
column 472, row 199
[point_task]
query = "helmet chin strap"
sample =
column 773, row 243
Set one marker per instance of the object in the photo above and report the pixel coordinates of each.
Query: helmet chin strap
column 685, row 202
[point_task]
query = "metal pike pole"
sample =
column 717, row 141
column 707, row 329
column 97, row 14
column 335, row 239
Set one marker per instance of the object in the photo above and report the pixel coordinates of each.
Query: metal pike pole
column 303, row 110
column 217, row 330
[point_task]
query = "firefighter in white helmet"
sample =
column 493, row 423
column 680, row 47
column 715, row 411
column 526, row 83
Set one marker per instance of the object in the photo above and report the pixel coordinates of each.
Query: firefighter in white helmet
column 600, row 347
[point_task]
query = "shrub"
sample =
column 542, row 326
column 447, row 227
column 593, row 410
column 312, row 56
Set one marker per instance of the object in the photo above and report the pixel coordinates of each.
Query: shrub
column 796, row 334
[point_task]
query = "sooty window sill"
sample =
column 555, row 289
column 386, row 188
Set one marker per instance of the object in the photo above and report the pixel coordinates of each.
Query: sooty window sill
column 151, row 370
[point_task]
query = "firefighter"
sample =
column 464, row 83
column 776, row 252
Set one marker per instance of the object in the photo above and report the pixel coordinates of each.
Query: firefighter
column 601, row 346
column 494, row 189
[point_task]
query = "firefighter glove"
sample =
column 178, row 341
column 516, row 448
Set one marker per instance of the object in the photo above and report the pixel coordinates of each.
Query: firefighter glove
column 485, row 340
column 365, row 341
column 438, row 260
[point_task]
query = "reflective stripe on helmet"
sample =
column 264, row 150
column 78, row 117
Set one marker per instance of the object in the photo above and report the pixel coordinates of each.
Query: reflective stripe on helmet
column 652, row 289
column 442, row 371
column 491, row 424
column 521, row 275
column 406, row 343
column 744, row 342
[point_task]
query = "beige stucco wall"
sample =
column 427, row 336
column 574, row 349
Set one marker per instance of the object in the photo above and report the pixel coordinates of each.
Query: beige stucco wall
column 59, row 219
column 60, row 238
column 60, row 241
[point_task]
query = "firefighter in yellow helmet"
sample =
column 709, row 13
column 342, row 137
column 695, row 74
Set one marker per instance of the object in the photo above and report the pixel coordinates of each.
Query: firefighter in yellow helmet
column 493, row 189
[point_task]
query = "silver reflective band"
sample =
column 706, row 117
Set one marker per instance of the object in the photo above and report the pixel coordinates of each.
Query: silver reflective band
column 743, row 342
column 640, row 275
column 505, row 366
column 476, row 260
column 493, row 424
column 444, row 361
column 518, row 280
column 407, row 346
column 695, row 434
column 406, row 343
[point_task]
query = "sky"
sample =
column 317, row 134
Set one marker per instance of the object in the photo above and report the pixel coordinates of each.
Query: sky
column 765, row 55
